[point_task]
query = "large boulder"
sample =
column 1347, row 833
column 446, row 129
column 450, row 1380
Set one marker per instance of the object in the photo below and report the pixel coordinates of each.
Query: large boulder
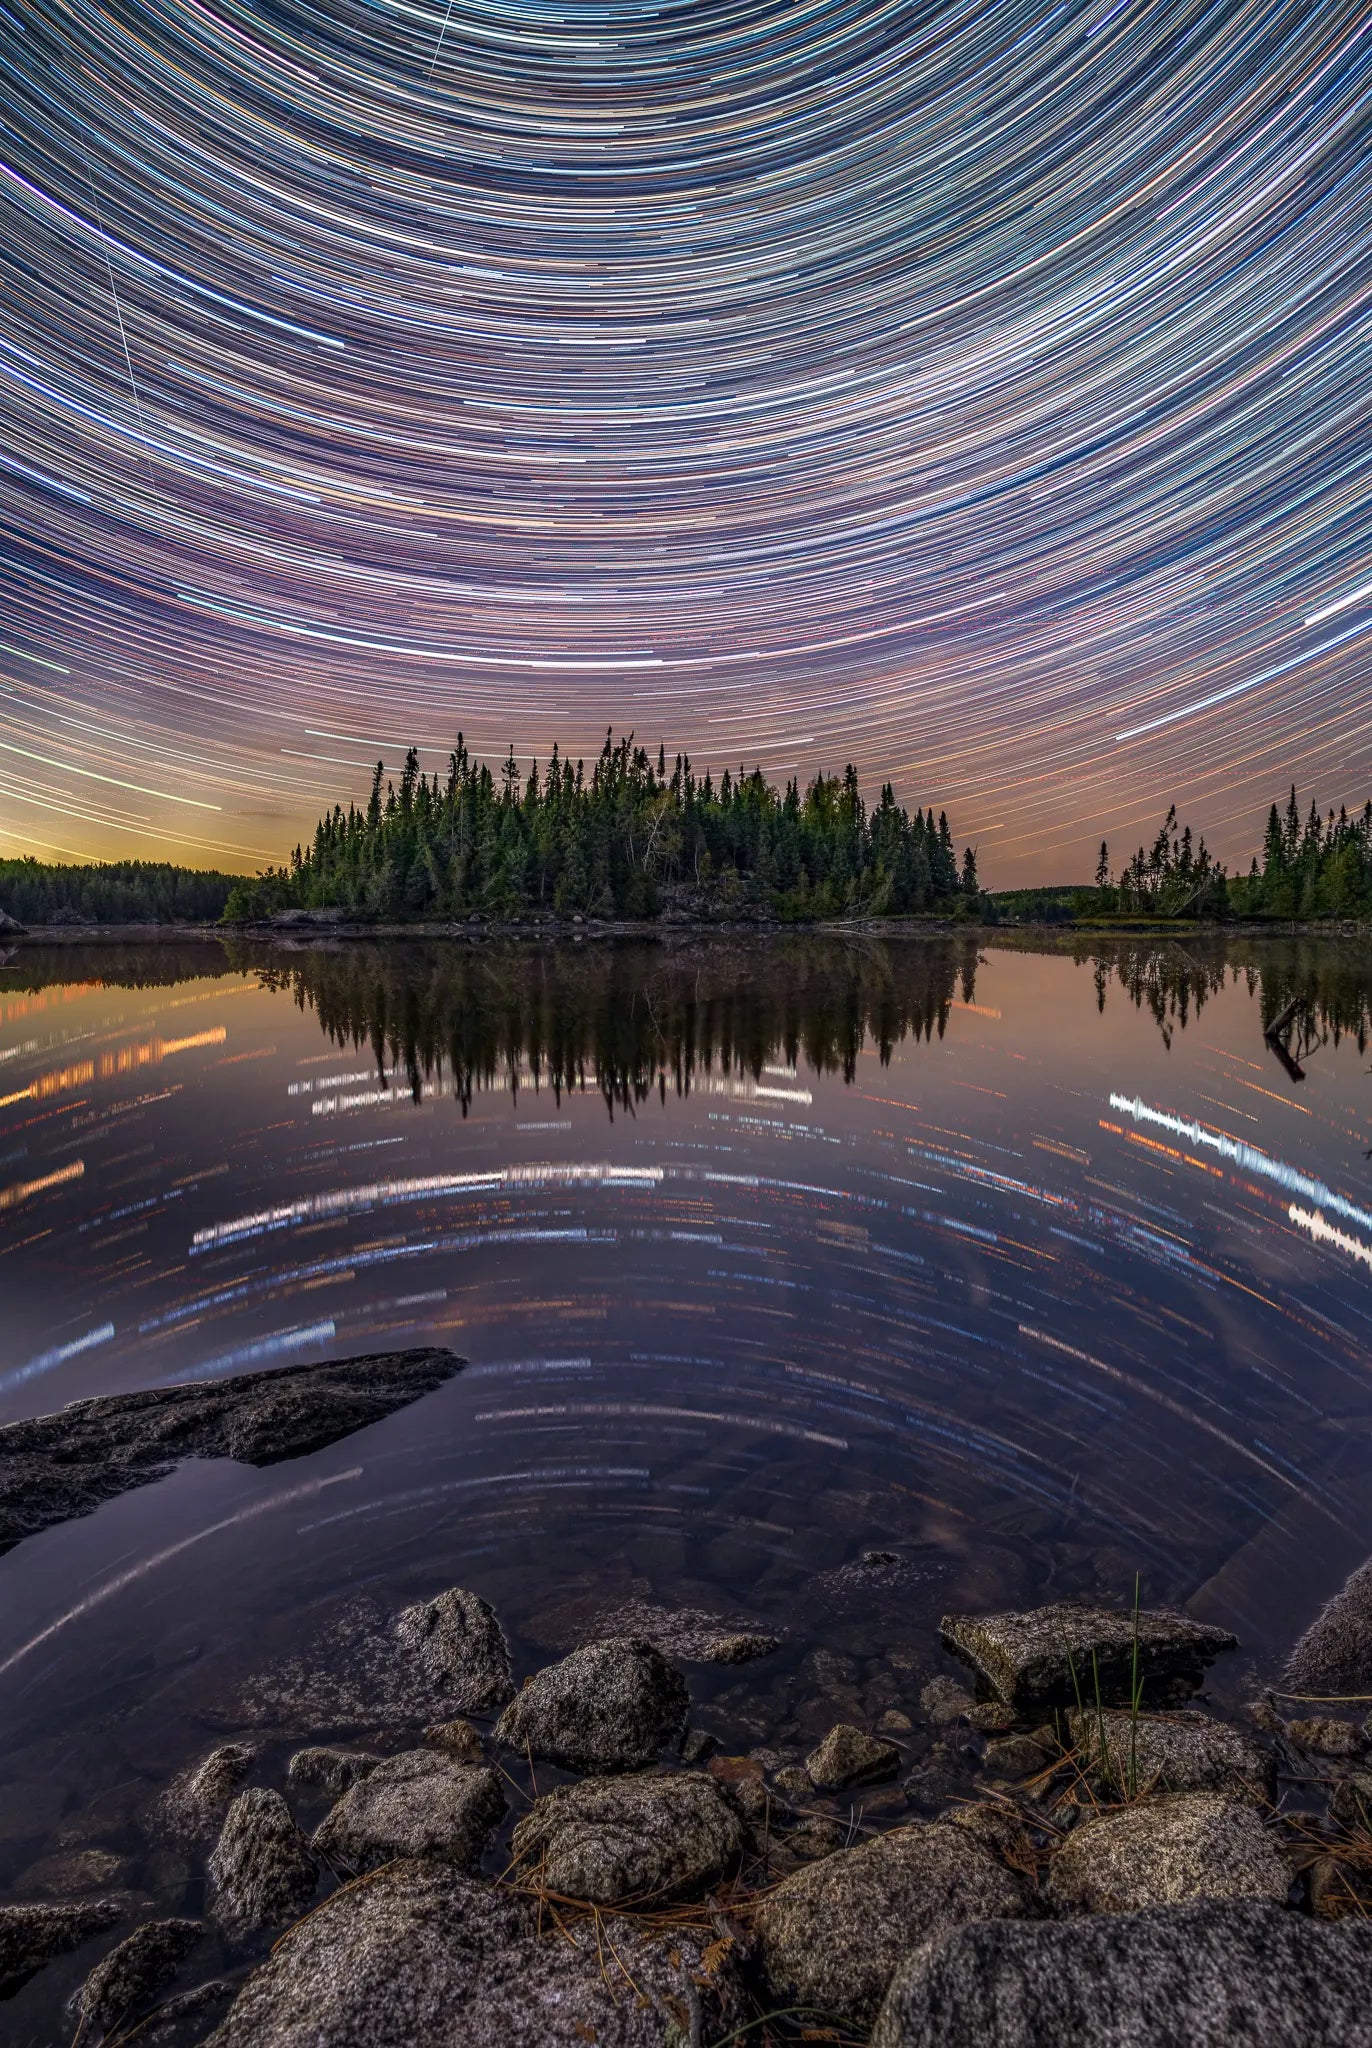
column 420, row 1803
column 462, row 1647
column 642, row 1839
column 1058, row 1656
column 54, row 1467
column 1334, row 1656
column 830, row 1935
column 1171, row 1753
column 32, row 1935
column 422, row 1954
column 1197, row 1976
column 263, row 1871
column 126, row 1981
column 612, row 1706
column 1160, row 1852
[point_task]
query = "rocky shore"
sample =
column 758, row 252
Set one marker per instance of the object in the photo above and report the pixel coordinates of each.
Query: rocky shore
column 1054, row 1838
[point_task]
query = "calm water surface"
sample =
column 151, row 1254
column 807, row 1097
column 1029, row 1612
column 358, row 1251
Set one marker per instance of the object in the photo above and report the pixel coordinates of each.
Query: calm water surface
column 1034, row 1269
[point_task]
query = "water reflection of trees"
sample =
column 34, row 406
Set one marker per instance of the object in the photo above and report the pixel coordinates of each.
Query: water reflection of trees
column 629, row 1019
column 1307, row 990
column 26, row 968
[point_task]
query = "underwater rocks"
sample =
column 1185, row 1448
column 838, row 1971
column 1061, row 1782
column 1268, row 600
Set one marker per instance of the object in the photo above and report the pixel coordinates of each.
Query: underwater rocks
column 610, row 1841
column 831, row 1934
column 1204, row 1975
column 612, row 1706
column 32, row 1935
column 126, row 1981
column 424, row 1955
column 56, row 1467
column 1064, row 1654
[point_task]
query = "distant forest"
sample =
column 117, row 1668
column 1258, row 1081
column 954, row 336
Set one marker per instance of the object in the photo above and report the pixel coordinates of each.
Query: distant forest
column 631, row 839
column 112, row 892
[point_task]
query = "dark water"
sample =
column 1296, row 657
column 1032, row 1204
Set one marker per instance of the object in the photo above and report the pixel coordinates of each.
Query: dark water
column 1033, row 1268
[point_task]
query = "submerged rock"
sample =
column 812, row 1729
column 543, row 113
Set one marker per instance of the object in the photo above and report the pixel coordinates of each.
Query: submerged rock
column 691, row 1633
column 850, row 1756
column 329, row 1770
column 422, row 1954
column 1198, row 1976
column 420, row 1803
column 263, row 1871
column 1324, row 1735
column 612, row 1706
column 1162, row 1852
column 1172, row 1753
column 831, row 1934
column 128, row 1979
column 1053, row 1656
column 459, row 1739
column 55, row 1467
column 615, row 1840
column 32, row 1935
column 460, row 1644
column 1334, row 1656
column 192, row 1808
column 72, row 1873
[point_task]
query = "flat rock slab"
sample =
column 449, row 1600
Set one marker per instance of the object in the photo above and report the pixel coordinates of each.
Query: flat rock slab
column 56, row 1467
column 612, row 1706
column 611, row 1841
column 32, row 1935
column 1171, row 1753
column 263, row 1871
column 830, row 1935
column 422, row 1957
column 1201, row 1976
column 1044, row 1657
column 420, row 1803
column 125, row 1982
column 1334, row 1656
column 850, row 1756
column 1163, row 1852
column 458, row 1642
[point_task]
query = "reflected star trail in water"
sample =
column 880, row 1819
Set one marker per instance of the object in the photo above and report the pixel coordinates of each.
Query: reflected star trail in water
column 978, row 392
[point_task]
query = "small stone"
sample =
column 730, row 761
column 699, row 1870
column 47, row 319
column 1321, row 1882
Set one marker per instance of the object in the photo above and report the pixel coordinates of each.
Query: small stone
column 944, row 1701
column 1325, row 1735
column 1350, row 1802
column 1023, row 1756
column 263, row 1871
column 461, row 1648
column 698, row 1744
column 192, row 1808
column 329, row 1770
column 1171, row 1753
column 613, row 1841
column 794, row 1782
column 814, row 1839
column 1165, row 1851
column 830, row 1935
column 32, row 1935
column 743, row 1648
column 612, row 1706
column 1206, row 1976
column 850, row 1756
column 420, row 1803
column 989, row 1717
column 893, row 1722
column 128, row 1979
column 938, row 1777
column 458, row 1739
column 1047, row 1656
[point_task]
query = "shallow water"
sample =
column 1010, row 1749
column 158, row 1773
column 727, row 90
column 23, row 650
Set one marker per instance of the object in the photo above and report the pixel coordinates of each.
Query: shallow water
column 1036, row 1268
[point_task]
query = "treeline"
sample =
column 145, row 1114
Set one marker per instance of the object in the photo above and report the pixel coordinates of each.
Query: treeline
column 112, row 892
column 631, row 839
column 630, row 1020
column 1311, row 867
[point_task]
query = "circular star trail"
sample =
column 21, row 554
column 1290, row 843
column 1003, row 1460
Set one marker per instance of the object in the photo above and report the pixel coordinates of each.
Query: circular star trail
column 979, row 392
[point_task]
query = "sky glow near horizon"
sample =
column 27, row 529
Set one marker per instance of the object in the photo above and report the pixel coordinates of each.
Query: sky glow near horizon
column 978, row 392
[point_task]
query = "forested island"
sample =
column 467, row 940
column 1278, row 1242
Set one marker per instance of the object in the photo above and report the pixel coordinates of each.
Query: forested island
column 636, row 840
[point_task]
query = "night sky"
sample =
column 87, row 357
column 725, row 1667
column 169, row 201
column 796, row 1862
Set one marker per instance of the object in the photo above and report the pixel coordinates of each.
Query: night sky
column 979, row 392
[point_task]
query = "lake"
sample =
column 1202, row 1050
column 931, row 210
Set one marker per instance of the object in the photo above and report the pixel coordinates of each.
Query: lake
column 1033, row 1265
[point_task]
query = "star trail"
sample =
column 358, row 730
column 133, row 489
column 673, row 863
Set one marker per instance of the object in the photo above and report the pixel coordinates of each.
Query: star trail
column 979, row 392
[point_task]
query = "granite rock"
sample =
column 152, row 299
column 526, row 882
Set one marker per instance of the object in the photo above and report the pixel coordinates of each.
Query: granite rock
column 615, row 1705
column 636, row 1838
column 1044, row 1657
column 420, row 1803
column 1165, row 1851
